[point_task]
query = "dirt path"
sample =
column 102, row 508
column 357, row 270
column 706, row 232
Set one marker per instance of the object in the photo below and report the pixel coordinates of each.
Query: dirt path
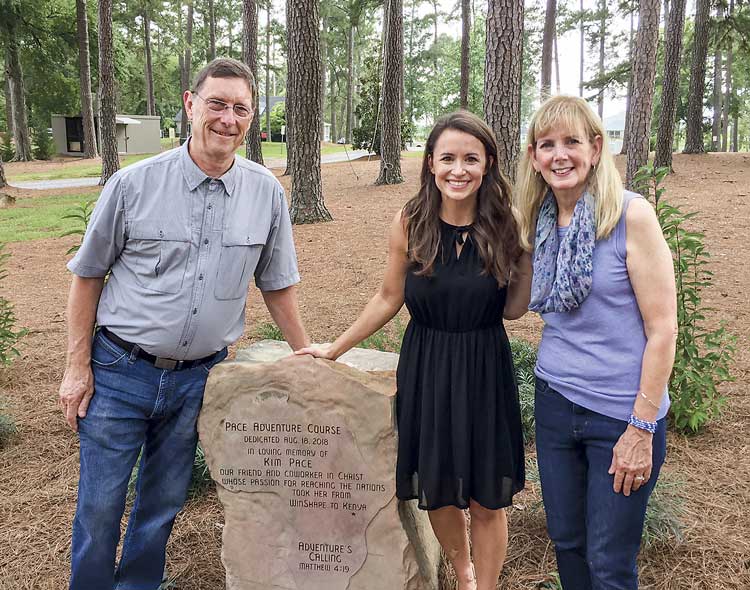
column 342, row 263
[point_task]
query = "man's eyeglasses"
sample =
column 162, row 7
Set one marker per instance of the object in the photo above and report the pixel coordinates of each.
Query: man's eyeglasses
column 218, row 106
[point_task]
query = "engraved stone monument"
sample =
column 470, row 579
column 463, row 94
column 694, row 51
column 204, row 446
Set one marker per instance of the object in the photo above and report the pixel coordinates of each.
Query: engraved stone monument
column 303, row 453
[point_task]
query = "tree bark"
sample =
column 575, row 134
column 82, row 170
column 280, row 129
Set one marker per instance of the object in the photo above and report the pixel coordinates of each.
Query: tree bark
column 390, row 118
column 253, row 150
column 3, row 182
column 728, row 88
column 84, row 64
column 644, row 73
column 303, row 96
column 716, row 118
column 502, row 82
column 14, row 74
column 465, row 46
column 107, row 104
column 211, row 31
column 694, row 139
column 332, row 101
column 735, row 132
column 322, row 65
column 186, row 56
column 602, row 34
column 625, row 133
column 350, row 84
column 547, row 40
column 8, row 99
column 557, row 65
column 670, row 84
column 268, row 69
column 580, row 72
column 150, row 97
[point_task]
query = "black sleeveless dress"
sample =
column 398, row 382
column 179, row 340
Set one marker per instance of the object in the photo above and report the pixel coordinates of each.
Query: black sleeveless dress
column 459, row 424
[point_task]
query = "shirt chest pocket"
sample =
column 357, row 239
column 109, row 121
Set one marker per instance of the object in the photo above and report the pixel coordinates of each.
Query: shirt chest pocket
column 240, row 253
column 160, row 255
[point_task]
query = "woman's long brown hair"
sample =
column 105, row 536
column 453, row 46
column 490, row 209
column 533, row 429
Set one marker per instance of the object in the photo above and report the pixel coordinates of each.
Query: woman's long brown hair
column 495, row 232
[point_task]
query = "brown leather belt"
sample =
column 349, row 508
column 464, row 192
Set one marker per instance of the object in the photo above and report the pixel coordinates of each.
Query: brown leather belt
column 158, row 361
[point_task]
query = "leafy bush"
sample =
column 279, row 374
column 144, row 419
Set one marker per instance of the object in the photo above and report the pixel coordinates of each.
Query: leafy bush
column 704, row 355
column 269, row 332
column 44, row 147
column 9, row 336
column 7, row 150
column 524, row 361
column 82, row 214
column 7, row 429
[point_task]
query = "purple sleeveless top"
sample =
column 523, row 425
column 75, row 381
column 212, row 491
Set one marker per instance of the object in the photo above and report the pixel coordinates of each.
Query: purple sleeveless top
column 593, row 354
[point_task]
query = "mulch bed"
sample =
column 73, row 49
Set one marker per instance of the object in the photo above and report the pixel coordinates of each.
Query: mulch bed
column 342, row 264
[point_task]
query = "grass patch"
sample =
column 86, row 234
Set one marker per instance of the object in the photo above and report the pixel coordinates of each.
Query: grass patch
column 41, row 217
column 82, row 169
column 268, row 332
column 200, row 481
column 7, row 429
column 387, row 339
column 663, row 526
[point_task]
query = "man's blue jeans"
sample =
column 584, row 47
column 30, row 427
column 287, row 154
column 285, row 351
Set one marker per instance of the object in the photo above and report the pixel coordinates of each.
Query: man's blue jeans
column 596, row 532
column 135, row 406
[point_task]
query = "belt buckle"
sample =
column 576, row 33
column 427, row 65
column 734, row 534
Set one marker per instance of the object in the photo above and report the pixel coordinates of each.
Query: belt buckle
column 168, row 364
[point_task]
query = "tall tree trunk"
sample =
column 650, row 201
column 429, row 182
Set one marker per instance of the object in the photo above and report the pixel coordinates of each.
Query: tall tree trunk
column 8, row 99
column 465, row 46
column 717, row 95
column 322, row 65
column 185, row 71
column 557, row 65
column 150, row 97
column 728, row 88
column 212, row 31
column 644, row 74
column 547, row 40
column 602, row 34
column 107, row 105
column 350, row 84
column 502, row 80
column 435, row 103
column 670, row 84
column 393, row 75
column 625, row 132
column 334, row 131
column 580, row 71
column 735, row 132
column 269, row 4
column 303, row 96
column 14, row 73
column 3, row 182
column 253, row 149
column 87, row 103
column 694, row 139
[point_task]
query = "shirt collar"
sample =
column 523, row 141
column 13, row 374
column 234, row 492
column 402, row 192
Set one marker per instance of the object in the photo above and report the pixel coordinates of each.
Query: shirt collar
column 194, row 176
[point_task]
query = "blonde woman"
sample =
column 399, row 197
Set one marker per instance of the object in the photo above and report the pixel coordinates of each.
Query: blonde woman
column 604, row 285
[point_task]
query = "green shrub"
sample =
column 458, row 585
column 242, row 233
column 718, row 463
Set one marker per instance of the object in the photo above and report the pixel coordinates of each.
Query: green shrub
column 82, row 215
column 7, row 150
column 704, row 355
column 386, row 339
column 9, row 336
column 44, row 147
column 663, row 525
column 269, row 332
column 7, row 428
column 524, row 361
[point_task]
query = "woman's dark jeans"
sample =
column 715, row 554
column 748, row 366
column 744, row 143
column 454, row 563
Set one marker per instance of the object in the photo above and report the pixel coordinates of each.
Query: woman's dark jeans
column 596, row 532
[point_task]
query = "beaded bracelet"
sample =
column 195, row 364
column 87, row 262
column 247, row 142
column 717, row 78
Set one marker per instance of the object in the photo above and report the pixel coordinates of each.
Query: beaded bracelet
column 642, row 424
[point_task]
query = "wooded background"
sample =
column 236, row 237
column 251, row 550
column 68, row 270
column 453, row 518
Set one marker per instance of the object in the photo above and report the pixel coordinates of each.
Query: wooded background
column 380, row 71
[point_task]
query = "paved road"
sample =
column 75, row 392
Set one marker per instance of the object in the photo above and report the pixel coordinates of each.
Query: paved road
column 93, row 181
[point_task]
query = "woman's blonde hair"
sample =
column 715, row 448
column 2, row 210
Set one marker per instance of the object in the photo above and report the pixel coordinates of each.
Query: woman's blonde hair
column 575, row 115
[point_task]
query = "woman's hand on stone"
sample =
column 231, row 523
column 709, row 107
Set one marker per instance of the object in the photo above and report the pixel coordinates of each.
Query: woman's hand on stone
column 321, row 351
column 631, row 460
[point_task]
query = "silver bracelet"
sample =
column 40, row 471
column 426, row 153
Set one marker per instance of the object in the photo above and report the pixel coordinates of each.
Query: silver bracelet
column 644, row 396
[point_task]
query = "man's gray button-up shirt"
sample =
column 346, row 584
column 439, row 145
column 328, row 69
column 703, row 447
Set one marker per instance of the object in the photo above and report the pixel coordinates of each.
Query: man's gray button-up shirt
column 181, row 247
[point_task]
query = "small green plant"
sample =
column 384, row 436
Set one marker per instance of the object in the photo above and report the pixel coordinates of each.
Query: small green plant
column 663, row 525
column 551, row 582
column 81, row 214
column 200, row 481
column 7, row 428
column 704, row 355
column 269, row 332
column 524, row 361
column 9, row 335
column 7, row 150
column 387, row 339
column 44, row 147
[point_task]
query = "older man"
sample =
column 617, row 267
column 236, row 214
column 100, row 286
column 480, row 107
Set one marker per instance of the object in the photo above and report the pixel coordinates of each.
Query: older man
column 180, row 236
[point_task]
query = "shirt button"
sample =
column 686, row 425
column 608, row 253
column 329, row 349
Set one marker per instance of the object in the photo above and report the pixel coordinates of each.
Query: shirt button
column 200, row 277
column 205, row 241
column 195, row 310
column 184, row 343
column 161, row 234
column 210, row 206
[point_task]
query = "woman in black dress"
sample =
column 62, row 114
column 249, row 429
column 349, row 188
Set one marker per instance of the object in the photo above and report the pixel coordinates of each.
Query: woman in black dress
column 455, row 261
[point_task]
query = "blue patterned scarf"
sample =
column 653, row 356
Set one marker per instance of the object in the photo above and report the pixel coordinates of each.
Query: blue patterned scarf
column 563, row 268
